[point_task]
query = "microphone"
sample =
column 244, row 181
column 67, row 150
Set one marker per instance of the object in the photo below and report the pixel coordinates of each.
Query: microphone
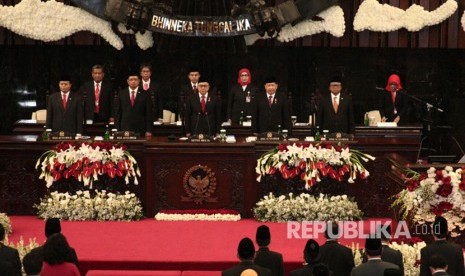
column 196, row 124
column 379, row 88
column 208, row 124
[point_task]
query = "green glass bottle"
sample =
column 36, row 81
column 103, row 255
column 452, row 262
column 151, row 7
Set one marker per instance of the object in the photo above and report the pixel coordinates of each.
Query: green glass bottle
column 317, row 134
column 106, row 136
column 279, row 130
column 45, row 134
column 366, row 121
column 241, row 119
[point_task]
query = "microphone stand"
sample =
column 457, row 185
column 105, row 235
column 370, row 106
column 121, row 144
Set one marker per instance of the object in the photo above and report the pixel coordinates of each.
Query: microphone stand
column 208, row 124
column 196, row 123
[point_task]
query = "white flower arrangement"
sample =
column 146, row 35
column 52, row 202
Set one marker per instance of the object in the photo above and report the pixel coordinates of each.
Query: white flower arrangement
column 86, row 162
column 85, row 206
column 144, row 41
column 312, row 163
column 438, row 192
column 333, row 22
column 52, row 21
column 22, row 248
column 378, row 17
column 306, row 207
column 5, row 221
column 202, row 215
column 410, row 253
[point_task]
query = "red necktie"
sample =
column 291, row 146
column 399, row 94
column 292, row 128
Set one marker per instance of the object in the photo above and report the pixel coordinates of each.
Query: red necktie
column 133, row 97
column 146, row 86
column 97, row 97
column 393, row 96
column 335, row 104
column 64, row 100
column 270, row 101
column 202, row 103
column 194, row 87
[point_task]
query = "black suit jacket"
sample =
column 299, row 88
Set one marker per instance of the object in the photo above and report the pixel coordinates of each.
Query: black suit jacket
column 10, row 256
column 450, row 251
column 268, row 118
column 237, row 270
column 373, row 267
column 69, row 120
column 237, row 102
column 271, row 260
column 157, row 102
column 339, row 258
column 342, row 121
column 205, row 123
column 106, row 100
column 137, row 118
column 304, row 271
column 38, row 254
column 386, row 107
column 392, row 256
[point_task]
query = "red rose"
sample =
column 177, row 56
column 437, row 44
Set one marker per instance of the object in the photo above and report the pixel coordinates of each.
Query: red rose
column 302, row 165
column 302, row 175
column 272, row 170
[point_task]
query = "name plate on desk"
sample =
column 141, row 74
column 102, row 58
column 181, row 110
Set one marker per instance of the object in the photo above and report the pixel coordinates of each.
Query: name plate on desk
column 339, row 136
column 201, row 138
column 61, row 135
column 386, row 124
column 269, row 136
column 125, row 135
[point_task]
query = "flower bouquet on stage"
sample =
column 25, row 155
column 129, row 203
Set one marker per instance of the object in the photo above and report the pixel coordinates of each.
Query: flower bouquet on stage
column 299, row 167
column 430, row 194
column 105, row 173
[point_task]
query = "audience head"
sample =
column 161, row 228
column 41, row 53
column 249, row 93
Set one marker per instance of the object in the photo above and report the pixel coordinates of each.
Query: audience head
column 263, row 236
column 32, row 264
column 97, row 73
column 249, row 272
column 332, row 230
column 373, row 247
column 437, row 262
column 56, row 249
column 312, row 252
column 246, row 249
column 321, row 270
column 440, row 227
column 2, row 232
column 52, row 226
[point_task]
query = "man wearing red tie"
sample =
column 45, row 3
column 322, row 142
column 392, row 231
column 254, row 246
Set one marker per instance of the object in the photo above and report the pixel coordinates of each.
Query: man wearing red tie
column 394, row 105
column 149, row 86
column 335, row 111
column 203, row 112
column 64, row 110
column 271, row 109
column 133, row 110
column 99, row 97
column 189, row 89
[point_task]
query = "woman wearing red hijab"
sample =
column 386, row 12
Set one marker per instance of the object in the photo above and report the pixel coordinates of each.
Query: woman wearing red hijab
column 241, row 96
column 394, row 104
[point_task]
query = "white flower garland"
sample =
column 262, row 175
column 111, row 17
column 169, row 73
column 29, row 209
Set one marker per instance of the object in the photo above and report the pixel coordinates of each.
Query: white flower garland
column 203, row 217
column 333, row 22
column 52, row 21
column 144, row 41
column 377, row 17
column 6, row 222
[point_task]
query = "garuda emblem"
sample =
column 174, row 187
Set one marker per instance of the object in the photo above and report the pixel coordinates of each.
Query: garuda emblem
column 199, row 183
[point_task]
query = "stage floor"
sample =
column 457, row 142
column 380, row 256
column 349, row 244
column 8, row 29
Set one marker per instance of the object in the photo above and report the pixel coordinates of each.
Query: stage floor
column 159, row 245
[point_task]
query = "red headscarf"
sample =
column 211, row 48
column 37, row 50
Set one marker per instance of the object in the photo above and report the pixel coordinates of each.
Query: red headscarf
column 244, row 70
column 393, row 79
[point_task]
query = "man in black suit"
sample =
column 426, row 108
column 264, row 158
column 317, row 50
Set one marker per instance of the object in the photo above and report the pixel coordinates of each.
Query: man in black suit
column 149, row 86
column 64, row 110
column 394, row 105
column 99, row 97
column 134, row 108
column 10, row 264
column 312, row 257
column 450, row 251
column 203, row 112
column 339, row 258
column 188, row 90
column 246, row 253
column 335, row 112
column 264, row 257
column 52, row 226
column 374, row 265
column 271, row 109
